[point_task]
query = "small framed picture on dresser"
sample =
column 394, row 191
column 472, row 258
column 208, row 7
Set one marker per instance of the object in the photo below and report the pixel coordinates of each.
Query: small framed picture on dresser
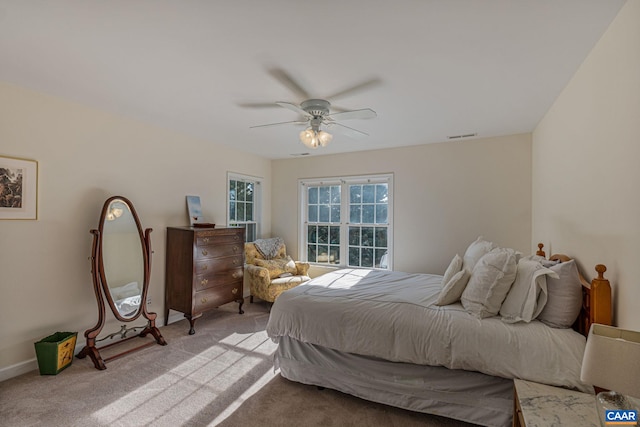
column 195, row 210
column 18, row 188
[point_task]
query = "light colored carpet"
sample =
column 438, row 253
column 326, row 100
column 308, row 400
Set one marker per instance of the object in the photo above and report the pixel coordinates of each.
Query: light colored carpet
column 223, row 375
column 283, row 403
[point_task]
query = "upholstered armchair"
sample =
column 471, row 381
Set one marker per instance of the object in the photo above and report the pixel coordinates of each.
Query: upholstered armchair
column 270, row 271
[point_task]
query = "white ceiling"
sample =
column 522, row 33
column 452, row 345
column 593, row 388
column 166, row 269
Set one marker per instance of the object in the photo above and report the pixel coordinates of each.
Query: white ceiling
column 445, row 67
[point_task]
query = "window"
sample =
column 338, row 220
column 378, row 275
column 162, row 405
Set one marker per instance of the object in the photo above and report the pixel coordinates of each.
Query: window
column 244, row 204
column 347, row 221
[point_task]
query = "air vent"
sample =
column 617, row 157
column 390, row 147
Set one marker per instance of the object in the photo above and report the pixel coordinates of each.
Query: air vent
column 467, row 135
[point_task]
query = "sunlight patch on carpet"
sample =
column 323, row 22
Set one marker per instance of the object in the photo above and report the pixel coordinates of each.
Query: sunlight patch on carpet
column 192, row 386
column 257, row 342
column 264, row 380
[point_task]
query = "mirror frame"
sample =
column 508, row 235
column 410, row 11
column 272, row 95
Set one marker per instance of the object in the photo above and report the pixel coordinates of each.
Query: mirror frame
column 145, row 259
column 102, row 292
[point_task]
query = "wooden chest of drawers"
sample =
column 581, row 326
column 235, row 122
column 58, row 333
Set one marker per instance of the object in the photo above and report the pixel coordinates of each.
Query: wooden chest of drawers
column 204, row 270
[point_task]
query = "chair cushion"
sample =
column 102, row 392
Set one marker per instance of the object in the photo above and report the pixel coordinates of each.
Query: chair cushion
column 292, row 281
column 277, row 266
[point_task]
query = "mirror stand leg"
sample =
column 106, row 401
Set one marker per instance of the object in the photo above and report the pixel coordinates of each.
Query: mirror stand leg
column 155, row 332
column 93, row 353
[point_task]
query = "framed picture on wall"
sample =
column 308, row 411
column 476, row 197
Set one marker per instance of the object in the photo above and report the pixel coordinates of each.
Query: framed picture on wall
column 18, row 188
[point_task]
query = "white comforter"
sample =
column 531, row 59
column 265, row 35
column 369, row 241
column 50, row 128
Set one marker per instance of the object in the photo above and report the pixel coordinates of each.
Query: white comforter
column 393, row 316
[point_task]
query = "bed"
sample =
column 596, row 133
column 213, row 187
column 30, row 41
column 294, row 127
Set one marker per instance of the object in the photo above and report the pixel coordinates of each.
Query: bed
column 379, row 335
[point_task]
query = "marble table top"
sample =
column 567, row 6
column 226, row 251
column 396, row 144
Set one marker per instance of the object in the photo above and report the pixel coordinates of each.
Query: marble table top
column 546, row 406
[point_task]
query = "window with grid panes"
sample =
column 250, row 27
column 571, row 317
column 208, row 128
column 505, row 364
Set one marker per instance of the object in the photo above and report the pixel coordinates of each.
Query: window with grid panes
column 244, row 204
column 347, row 221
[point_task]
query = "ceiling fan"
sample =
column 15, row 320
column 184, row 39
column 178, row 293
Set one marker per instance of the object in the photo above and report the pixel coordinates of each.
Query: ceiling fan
column 317, row 112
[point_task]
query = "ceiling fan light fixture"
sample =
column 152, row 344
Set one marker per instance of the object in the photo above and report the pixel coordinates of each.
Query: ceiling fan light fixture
column 324, row 138
column 313, row 139
column 308, row 138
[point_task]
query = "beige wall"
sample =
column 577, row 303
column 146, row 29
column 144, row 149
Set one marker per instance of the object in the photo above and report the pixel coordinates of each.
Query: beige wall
column 445, row 195
column 85, row 156
column 585, row 165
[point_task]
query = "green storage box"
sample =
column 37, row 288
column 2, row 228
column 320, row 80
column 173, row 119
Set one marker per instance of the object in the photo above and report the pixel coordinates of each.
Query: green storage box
column 55, row 352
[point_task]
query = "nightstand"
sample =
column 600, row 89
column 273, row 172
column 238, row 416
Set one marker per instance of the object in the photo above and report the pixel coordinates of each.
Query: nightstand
column 540, row 405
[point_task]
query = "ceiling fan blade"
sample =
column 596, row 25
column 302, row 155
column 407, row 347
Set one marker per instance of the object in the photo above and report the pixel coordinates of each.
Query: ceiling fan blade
column 346, row 130
column 365, row 113
column 257, row 105
column 293, row 107
column 357, row 88
column 339, row 109
column 295, row 122
column 285, row 78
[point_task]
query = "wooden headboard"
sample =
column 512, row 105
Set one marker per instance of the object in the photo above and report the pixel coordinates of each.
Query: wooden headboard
column 596, row 296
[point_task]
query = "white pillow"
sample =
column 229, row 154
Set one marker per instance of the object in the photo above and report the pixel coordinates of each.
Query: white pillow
column 490, row 282
column 453, row 289
column 454, row 266
column 475, row 251
column 565, row 296
column 528, row 294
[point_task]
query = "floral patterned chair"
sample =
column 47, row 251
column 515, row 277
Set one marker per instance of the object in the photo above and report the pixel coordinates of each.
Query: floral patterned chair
column 271, row 274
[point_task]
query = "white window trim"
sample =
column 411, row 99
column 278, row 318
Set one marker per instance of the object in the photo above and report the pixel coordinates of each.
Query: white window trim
column 257, row 198
column 303, row 183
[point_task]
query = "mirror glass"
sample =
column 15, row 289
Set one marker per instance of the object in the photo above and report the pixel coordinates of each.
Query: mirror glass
column 122, row 258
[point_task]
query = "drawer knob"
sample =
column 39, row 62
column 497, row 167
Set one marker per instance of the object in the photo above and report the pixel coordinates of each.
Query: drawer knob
column 236, row 237
column 234, row 291
column 205, row 240
column 235, row 262
column 204, row 267
column 236, row 275
column 203, row 300
column 235, row 249
column 205, row 253
column 204, row 281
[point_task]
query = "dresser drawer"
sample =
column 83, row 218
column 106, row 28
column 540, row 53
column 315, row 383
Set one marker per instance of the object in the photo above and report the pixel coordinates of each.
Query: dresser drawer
column 216, row 296
column 209, row 237
column 207, row 265
column 218, row 278
column 217, row 250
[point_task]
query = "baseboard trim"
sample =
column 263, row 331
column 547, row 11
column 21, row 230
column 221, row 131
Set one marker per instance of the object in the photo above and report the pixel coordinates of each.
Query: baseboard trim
column 18, row 369
column 28, row 365
column 175, row 317
column 32, row 364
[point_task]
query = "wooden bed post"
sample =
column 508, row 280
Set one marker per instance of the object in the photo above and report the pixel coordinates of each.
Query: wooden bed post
column 600, row 298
